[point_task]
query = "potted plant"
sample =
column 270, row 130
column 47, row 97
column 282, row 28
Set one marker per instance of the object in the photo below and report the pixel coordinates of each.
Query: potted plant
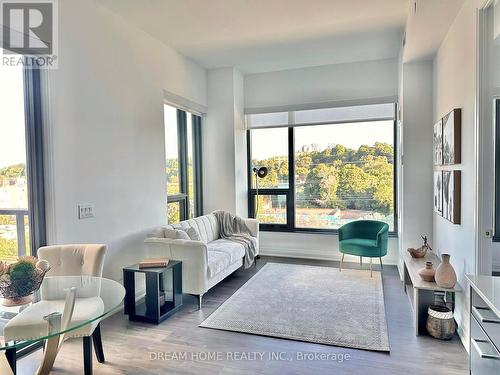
column 20, row 279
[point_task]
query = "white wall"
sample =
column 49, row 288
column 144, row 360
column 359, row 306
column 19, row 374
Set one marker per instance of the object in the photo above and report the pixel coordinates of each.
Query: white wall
column 455, row 87
column 105, row 130
column 416, row 170
column 354, row 82
column 224, row 144
column 341, row 82
column 315, row 246
column 240, row 146
column 218, row 142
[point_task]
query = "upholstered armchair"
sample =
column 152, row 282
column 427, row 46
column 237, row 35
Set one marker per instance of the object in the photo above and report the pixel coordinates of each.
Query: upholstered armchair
column 364, row 238
column 78, row 260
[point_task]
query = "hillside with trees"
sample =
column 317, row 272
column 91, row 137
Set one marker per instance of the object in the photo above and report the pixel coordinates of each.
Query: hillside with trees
column 338, row 178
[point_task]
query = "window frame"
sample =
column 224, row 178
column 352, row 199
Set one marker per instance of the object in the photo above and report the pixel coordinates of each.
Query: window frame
column 33, row 92
column 35, row 169
column 496, row 168
column 290, row 191
column 182, row 141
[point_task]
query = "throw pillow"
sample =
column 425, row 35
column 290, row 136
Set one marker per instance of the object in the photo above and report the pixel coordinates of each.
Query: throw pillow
column 175, row 234
column 193, row 234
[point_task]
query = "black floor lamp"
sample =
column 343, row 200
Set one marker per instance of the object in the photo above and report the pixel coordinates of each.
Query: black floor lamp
column 260, row 172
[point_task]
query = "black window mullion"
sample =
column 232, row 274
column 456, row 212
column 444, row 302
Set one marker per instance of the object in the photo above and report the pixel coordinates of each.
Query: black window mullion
column 251, row 197
column 290, row 199
column 197, row 166
column 183, row 161
column 34, row 158
column 496, row 234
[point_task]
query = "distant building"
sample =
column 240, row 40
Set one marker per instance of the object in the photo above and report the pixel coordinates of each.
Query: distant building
column 313, row 147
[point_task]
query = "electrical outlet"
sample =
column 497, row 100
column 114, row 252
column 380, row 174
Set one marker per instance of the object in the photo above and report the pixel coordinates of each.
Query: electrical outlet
column 85, row 211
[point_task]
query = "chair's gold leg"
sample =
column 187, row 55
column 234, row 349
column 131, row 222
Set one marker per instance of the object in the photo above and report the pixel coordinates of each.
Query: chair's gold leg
column 57, row 322
column 371, row 271
column 381, row 265
column 49, row 355
column 361, row 262
column 341, row 262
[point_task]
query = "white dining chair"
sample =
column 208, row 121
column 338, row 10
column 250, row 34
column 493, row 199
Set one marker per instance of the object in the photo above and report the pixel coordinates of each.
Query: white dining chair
column 79, row 260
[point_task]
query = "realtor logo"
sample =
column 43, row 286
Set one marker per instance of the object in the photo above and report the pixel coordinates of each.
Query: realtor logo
column 29, row 30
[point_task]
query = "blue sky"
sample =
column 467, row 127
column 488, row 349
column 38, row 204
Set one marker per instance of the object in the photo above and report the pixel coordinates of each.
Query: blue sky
column 12, row 145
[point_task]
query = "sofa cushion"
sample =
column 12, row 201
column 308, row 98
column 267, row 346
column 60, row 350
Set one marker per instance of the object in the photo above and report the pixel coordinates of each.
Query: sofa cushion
column 221, row 254
column 360, row 246
column 175, row 234
column 207, row 226
column 193, row 234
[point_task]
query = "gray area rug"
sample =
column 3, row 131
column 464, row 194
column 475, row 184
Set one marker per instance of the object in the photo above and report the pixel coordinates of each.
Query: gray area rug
column 308, row 303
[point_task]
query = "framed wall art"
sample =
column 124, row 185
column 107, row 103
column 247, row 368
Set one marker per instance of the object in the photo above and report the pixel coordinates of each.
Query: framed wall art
column 438, row 192
column 438, row 143
column 452, row 185
column 452, row 137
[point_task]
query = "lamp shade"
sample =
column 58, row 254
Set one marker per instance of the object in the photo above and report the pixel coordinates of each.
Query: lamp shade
column 260, row 172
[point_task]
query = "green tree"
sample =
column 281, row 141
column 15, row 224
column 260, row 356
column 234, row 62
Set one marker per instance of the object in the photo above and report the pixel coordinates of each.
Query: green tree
column 384, row 149
column 14, row 171
column 302, row 165
column 354, row 185
column 339, row 176
column 321, row 185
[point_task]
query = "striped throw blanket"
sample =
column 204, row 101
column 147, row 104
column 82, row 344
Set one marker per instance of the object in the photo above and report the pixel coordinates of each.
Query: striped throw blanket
column 233, row 228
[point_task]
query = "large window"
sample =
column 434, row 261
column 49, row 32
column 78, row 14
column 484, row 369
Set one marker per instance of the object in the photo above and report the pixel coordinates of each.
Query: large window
column 22, row 203
column 14, row 226
column 183, row 164
column 326, row 167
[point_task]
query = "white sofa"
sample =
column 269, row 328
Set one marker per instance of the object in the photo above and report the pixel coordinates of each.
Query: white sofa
column 204, row 262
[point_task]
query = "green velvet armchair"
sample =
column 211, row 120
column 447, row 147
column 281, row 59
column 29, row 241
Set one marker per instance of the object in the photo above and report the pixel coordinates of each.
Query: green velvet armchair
column 364, row 238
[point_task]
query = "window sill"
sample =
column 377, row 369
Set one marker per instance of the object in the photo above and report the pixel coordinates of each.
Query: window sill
column 328, row 232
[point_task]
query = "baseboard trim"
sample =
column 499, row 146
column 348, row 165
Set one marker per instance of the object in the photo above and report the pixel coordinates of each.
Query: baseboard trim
column 401, row 272
column 463, row 338
column 315, row 254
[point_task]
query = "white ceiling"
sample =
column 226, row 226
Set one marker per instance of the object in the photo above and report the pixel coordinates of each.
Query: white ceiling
column 267, row 35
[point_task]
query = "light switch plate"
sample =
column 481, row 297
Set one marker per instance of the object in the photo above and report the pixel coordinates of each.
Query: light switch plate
column 85, row 211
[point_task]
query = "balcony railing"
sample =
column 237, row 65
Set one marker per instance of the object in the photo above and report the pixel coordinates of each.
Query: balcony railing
column 19, row 215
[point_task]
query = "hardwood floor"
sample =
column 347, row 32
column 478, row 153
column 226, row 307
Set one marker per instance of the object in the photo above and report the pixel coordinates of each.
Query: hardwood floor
column 128, row 346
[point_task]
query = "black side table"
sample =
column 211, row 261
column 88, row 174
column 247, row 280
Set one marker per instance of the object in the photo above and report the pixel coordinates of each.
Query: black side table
column 153, row 309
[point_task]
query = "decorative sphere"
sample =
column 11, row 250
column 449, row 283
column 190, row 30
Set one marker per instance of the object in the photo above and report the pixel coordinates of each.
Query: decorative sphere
column 43, row 265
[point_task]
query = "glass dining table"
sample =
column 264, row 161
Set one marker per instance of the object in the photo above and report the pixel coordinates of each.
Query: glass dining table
column 64, row 307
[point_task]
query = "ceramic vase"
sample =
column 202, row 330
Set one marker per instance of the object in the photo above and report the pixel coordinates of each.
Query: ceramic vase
column 445, row 274
column 427, row 273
